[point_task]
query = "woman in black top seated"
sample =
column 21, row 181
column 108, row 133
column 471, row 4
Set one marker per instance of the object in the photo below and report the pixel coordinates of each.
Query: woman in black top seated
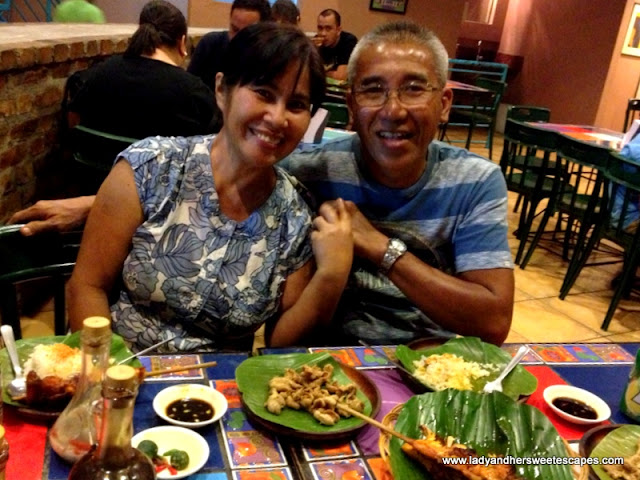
column 146, row 91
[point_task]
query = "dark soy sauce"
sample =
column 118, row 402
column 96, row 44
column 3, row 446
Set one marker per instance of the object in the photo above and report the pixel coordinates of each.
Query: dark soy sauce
column 575, row 407
column 191, row 410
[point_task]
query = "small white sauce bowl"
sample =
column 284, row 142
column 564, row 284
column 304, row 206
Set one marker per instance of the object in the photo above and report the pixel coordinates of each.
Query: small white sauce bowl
column 553, row 392
column 169, row 437
column 190, row 390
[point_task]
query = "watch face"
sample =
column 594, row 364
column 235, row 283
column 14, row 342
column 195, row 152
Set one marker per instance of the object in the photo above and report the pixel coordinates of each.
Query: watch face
column 398, row 246
column 394, row 251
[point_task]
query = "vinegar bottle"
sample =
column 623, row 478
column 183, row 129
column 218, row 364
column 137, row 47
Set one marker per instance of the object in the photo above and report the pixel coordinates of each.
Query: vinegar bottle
column 114, row 458
column 75, row 430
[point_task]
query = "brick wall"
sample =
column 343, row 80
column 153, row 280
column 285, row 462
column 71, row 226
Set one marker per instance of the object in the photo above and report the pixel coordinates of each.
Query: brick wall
column 32, row 78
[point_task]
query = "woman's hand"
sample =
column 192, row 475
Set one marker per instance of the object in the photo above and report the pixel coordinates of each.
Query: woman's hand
column 332, row 239
column 368, row 242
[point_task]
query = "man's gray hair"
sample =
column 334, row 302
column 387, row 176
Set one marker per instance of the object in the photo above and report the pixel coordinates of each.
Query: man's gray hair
column 402, row 32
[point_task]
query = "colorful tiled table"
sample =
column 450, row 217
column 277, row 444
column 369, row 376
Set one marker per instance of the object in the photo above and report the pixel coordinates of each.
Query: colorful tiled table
column 239, row 451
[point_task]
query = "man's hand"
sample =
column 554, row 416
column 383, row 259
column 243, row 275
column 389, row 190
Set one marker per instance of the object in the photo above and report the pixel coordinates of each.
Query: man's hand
column 368, row 242
column 332, row 239
column 54, row 215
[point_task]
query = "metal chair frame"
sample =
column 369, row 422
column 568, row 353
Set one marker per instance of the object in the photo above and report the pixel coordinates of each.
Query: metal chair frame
column 632, row 112
column 338, row 114
column 479, row 114
column 578, row 196
column 622, row 176
column 46, row 255
column 528, row 165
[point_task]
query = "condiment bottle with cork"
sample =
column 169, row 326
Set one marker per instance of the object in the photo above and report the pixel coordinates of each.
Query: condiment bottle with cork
column 4, row 453
column 114, row 458
column 630, row 401
column 75, row 430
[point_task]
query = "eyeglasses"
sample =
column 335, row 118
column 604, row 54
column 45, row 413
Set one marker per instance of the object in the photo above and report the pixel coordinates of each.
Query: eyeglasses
column 410, row 94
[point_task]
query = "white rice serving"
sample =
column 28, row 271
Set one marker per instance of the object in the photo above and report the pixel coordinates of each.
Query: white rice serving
column 56, row 359
column 440, row 372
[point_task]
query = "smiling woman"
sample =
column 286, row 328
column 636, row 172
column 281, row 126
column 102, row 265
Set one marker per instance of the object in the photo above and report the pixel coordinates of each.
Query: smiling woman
column 211, row 238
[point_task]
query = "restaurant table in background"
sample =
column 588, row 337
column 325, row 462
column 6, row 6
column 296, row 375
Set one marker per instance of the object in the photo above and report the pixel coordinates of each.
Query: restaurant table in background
column 465, row 93
column 241, row 452
column 596, row 135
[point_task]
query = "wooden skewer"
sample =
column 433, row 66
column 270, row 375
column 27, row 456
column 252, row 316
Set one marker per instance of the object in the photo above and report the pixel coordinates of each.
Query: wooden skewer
column 375, row 423
column 181, row 368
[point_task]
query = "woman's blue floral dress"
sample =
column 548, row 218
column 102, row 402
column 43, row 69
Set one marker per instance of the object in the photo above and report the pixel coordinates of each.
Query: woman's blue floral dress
column 192, row 272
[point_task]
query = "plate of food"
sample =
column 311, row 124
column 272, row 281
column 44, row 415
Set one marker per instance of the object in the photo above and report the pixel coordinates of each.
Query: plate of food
column 611, row 441
column 51, row 366
column 465, row 363
column 300, row 395
column 176, row 452
column 467, row 424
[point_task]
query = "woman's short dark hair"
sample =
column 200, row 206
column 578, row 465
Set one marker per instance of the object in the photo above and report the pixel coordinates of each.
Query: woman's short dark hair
column 260, row 52
column 161, row 24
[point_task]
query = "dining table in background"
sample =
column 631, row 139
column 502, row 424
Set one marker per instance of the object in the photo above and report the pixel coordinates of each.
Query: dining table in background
column 467, row 96
column 603, row 137
column 240, row 451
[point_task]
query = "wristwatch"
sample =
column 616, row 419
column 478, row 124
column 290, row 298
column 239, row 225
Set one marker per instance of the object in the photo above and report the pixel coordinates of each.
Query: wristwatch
column 395, row 249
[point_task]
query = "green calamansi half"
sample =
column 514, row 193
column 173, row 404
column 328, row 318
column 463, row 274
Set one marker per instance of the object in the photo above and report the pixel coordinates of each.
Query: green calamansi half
column 518, row 382
column 149, row 448
column 489, row 423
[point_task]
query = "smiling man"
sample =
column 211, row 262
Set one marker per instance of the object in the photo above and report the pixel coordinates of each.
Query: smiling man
column 429, row 219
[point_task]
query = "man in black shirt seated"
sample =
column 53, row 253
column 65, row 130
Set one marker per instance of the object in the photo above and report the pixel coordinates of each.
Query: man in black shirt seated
column 209, row 53
column 334, row 44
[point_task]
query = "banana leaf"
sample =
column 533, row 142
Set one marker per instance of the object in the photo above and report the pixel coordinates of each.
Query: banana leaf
column 518, row 382
column 253, row 375
column 119, row 351
column 621, row 442
column 488, row 423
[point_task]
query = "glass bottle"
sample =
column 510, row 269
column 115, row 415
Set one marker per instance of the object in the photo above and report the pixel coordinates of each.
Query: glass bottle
column 630, row 401
column 4, row 453
column 114, row 458
column 75, row 430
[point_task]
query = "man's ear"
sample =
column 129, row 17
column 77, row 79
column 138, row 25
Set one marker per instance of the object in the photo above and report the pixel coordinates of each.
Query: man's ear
column 220, row 91
column 182, row 46
column 447, row 100
column 351, row 105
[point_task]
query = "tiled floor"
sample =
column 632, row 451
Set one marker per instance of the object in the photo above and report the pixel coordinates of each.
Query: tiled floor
column 539, row 315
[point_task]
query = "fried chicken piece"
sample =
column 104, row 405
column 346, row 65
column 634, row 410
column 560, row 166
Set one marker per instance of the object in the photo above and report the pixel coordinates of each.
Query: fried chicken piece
column 347, row 389
column 431, row 450
column 312, row 389
column 50, row 392
column 325, row 401
column 284, row 384
column 326, row 416
column 275, row 402
column 353, row 402
column 292, row 400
